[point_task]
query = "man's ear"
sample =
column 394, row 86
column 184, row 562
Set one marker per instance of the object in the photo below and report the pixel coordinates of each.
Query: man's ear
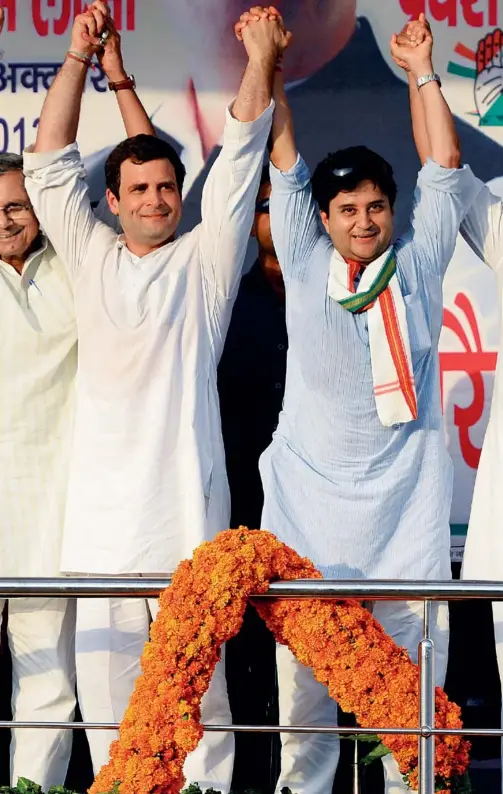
column 113, row 202
column 324, row 220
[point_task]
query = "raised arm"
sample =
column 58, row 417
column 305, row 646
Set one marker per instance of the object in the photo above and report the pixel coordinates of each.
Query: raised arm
column 294, row 214
column 295, row 223
column 60, row 115
column 433, row 125
column 229, row 195
column 134, row 115
column 55, row 178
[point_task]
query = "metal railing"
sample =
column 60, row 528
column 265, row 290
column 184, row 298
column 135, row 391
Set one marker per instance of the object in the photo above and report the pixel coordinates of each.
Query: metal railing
column 367, row 590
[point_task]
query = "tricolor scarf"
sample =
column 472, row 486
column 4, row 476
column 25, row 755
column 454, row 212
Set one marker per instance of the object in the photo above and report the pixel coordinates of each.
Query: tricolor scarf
column 379, row 294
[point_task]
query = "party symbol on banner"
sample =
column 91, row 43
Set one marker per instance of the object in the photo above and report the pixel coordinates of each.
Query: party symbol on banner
column 473, row 361
column 487, row 73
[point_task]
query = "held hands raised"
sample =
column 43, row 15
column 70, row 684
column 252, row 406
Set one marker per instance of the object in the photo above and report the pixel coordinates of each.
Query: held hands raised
column 94, row 33
column 262, row 32
column 412, row 48
column 88, row 29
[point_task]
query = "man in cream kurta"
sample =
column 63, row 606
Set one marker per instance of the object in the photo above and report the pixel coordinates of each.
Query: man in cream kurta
column 147, row 477
column 38, row 362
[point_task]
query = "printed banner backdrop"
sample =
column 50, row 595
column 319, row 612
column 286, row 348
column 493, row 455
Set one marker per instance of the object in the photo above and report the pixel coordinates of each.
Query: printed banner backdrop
column 344, row 89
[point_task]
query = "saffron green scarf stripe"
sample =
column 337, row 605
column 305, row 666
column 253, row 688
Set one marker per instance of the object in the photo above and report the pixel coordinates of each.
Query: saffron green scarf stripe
column 363, row 299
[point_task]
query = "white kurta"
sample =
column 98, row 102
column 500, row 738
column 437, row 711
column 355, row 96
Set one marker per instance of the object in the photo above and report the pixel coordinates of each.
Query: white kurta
column 483, row 555
column 38, row 363
column 147, row 477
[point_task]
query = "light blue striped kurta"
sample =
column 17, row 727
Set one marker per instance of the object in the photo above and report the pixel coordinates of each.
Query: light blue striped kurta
column 359, row 499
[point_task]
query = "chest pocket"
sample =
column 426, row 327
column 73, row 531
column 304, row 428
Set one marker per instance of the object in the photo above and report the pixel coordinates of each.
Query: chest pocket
column 418, row 327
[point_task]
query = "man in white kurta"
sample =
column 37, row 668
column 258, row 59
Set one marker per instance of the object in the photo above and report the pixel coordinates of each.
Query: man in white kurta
column 482, row 228
column 483, row 555
column 147, row 476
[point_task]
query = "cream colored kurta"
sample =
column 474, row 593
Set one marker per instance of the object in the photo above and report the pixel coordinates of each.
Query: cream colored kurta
column 38, row 362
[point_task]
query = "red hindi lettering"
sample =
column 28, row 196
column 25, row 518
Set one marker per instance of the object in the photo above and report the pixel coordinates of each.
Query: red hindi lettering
column 10, row 8
column 62, row 22
column 413, row 7
column 128, row 20
column 493, row 13
column 41, row 24
column 444, row 9
column 473, row 18
column 69, row 9
column 473, row 363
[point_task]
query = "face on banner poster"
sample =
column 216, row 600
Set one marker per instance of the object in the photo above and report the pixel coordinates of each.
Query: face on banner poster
column 344, row 89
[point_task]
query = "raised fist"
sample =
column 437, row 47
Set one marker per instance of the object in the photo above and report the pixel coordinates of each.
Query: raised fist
column 489, row 81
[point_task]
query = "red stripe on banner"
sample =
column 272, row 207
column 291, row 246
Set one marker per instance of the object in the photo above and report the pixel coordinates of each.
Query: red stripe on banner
column 397, row 349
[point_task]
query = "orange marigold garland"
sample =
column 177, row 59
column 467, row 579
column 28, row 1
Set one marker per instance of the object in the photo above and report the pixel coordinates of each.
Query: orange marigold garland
column 348, row 650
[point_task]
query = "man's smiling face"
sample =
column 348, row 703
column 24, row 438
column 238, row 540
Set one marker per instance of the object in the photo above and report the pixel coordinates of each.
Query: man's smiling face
column 360, row 222
column 18, row 225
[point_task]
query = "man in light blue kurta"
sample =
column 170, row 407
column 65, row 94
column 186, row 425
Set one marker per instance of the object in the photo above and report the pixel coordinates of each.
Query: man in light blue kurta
column 360, row 496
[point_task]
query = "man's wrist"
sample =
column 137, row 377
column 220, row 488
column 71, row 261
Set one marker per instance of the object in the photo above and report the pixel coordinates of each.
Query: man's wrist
column 265, row 61
column 116, row 75
column 422, row 69
column 76, row 57
column 82, row 48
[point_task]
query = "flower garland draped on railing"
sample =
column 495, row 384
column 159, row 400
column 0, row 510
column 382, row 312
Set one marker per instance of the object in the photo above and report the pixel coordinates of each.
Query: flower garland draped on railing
column 348, row 650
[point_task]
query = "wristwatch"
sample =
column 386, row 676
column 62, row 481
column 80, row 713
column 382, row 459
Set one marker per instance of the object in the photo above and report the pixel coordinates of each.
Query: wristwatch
column 428, row 78
column 129, row 82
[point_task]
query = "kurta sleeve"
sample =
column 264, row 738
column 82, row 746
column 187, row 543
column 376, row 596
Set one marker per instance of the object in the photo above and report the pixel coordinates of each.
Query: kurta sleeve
column 482, row 228
column 441, row 200
column 295, row 222
column 55, row 182
column 227, row 209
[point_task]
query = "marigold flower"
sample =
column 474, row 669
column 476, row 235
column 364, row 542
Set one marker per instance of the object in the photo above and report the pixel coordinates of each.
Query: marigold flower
column 349, row 652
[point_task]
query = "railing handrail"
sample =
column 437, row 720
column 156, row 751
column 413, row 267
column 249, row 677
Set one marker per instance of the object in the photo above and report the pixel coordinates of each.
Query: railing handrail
column 365, row 590
column 150, row 587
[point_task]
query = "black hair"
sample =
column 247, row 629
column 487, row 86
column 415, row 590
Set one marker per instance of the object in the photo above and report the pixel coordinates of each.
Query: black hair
column 141, row 149
column 346, row 169
column 10, row 162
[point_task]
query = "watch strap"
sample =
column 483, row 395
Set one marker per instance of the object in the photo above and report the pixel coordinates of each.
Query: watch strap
column 428, row 78
column 129, row 82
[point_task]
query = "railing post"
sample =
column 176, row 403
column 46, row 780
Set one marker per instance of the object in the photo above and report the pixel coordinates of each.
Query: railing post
column 426, row 707
column 356, row 770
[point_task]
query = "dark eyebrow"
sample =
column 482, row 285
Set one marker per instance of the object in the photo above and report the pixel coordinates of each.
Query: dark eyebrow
column 137, row 185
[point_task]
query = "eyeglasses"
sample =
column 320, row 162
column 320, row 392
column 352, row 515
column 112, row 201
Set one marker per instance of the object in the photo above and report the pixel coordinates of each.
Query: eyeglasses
column 262, row 205
column 16, row 210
